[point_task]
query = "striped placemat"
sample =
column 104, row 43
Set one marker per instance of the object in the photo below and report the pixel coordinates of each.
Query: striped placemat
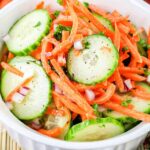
column 6, row 142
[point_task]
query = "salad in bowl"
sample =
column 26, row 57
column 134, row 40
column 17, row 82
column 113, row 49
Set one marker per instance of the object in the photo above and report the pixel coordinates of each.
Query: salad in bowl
column 80, row 74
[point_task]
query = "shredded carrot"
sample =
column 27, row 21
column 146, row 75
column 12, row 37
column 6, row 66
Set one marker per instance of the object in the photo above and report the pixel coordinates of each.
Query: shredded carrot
column 141, row 94
column 146, row 61
column 131, row 70
column 25, row 82
column 106, row 97
column 79, row 7
column 123, row 28
column 40, row 5
column 64, row 46
column 12, row 69
column 37, row 53
column 51, row 133
column 116, row 98
column 70, row 93
column 10, row 56
column 57, row 103
column 132, row 48
column 55, row 112
column 3, row 3
column 119, row 81
column 127, row 111
column 68, row 104
column 44, row 60
column 74, row 116
column 65, row 35
column 134, row 76
column 117, row 37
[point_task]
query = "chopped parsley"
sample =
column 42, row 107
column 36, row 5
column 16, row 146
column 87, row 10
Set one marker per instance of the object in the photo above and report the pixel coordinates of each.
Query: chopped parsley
column 58, row 31
column 38, row 24
column 126, row 102
column 86, row 4
column 143, row 43
column 60, row 2
column 56, row 13
column 95, row 107
column 86, row 44
column 125, row 49
column 146, row 72
column 101, row 33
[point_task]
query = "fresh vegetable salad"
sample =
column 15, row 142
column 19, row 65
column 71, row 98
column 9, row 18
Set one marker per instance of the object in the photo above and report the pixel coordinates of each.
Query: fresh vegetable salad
column 80, row 74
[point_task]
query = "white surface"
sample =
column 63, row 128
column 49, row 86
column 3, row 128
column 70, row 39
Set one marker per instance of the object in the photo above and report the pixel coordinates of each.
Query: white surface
column 29, row 139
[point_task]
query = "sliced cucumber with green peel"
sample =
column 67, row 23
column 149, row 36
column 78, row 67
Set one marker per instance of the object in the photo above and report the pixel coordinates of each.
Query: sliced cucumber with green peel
column 93, row 130
column 139, row 104
column 26, row 34
column 104, row 21
column 95, row 63
column 34, row 103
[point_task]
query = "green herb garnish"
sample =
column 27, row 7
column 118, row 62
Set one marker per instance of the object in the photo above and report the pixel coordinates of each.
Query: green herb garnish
column 56, row 13
column 126, row 102
column 86, row 4
column 60, row 2
column 58, row 31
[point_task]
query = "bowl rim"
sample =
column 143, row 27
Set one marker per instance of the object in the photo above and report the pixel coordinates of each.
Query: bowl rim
column 13, row 123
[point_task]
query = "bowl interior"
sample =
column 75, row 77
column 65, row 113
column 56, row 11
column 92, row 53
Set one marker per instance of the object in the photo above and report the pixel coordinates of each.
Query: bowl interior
column 139, row 14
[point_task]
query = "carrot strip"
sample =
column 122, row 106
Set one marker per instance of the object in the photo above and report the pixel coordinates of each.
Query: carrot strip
column 12, row 69
column 40, row 5
column 51, row 133
column 57, row 103
column 80, row 8
column 141, row 94
column 116, row 98
column 10, row 56
column 134, row 76
column 70, row 105
column 106, row 97
column 3, row 3
column 132, row 48
column 53, row 41
column 127, row 111
column 65, row 35
column 131, row 70
column 44, row 60
column 70, row 93
column 74, row 116
column 119, row 81
column 117, row 37
column 37, row 53
column 64, row 46
column 25, row 82
column 123, row 28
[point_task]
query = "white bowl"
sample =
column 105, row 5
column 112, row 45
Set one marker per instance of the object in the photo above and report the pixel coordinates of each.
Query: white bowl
column 29, row 139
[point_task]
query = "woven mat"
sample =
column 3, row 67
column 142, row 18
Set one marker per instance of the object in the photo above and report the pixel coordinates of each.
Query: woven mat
column 6, row 143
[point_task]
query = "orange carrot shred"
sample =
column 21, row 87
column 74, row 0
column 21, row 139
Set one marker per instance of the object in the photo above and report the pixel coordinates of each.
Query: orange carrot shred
column 26, row 81
column 40, row 5
column 117, row 37
column 127, row 111
column 12, row 69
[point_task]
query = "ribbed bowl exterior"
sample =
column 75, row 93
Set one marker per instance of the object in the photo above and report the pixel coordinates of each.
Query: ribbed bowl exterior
column 29, row 144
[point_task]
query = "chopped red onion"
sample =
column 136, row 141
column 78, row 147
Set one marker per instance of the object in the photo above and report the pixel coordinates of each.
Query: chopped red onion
column 6, row 38
column 9, row 105
column 90, row 94
column 57, row 89
column 78, row 45
column 18, row 97
column 48, row 54
column 35, row 124
column 128, row 84
column 101, row 109
column 61, row 60
column 24, row 91
column 148, row 79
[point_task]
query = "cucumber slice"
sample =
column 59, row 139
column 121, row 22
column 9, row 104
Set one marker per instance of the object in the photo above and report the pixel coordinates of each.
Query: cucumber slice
column 95, row 63
column 36, row 102
column 26, row 34
column 93, row 130
column 139, row 104
column 104, row 21
column 59, row 121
